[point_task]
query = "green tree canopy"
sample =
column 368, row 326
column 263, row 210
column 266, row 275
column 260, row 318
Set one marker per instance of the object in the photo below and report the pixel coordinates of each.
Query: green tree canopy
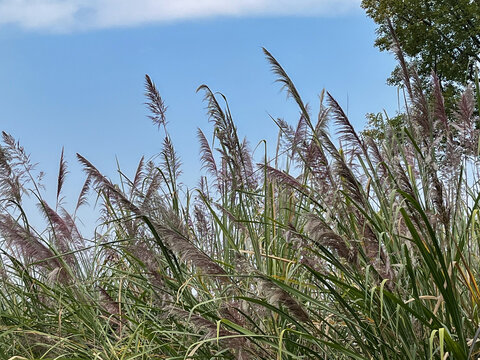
column 438, row 35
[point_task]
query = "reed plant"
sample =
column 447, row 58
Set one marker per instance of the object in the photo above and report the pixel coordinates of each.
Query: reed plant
column 335, row 247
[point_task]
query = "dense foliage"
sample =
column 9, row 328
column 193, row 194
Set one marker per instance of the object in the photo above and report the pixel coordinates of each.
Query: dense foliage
column 436, row 37
column 364, row 251
column 441, row 36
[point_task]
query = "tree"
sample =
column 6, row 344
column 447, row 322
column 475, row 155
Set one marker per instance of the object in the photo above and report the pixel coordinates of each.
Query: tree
column 442, row 36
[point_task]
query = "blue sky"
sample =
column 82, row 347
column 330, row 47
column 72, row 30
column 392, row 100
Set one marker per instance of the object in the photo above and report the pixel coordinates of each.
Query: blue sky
column 75, row 77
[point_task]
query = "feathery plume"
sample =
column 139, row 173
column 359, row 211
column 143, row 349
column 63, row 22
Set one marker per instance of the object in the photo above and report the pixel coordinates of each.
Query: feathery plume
column 155, row 105
column 151, row 197
column 439, row 109
column 321, row 233
column 466, row 122
column 282, row 177
column 349, row 181
column 276, row 295
column 189, row 252
column 397, row 50
column 102, row 182
column 415, row 91
column 139, row 175
column 287, row 134
column 16, row 169
column 377, row 157
column 110, row 305
column 206, row 154
column 300, row 133
column 421, row 111
column 249, row 176
column 202, row 225
column 62, row 173
column 375, row 254
column 10, row 187
column 76, row 237
column 214, row 110
column 208, row 327
column 61, row 230
column 402, row 180
column 466, row 106
column 83, row 196
column 273, row 293
column 170, row 160
column 287, row 84
column 316, row 160
column 30, row 245
column 346, row 130
column 438, row 197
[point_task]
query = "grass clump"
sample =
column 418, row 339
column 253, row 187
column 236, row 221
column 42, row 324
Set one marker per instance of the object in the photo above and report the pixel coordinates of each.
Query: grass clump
column 367, row 250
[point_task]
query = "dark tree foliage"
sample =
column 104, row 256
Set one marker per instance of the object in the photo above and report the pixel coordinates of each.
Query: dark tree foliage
column 442, row 36
column 437, row 36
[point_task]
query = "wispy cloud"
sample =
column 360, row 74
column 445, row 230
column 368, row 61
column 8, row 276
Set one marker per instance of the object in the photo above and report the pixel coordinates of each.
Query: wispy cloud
column 68, row 15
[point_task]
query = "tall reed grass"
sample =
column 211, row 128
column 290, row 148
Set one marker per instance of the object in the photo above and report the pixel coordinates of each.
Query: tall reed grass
column 366, row 250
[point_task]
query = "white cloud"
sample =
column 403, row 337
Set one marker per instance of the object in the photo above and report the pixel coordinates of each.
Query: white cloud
column 67, row 15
